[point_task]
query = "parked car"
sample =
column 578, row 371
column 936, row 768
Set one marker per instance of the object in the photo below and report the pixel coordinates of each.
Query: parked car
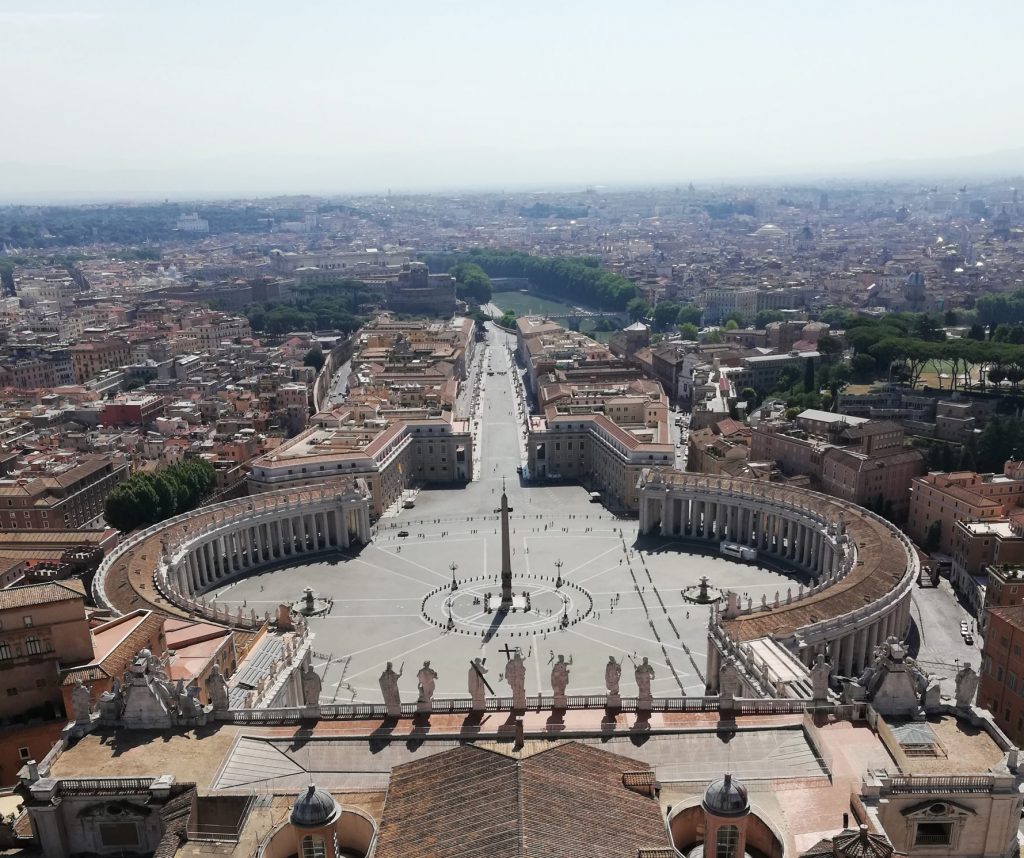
column 403, row 533
column 969, row 639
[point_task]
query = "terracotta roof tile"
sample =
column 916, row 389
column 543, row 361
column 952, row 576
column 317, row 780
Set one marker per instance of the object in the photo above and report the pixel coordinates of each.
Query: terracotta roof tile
column 41, row 594
column 561, row 803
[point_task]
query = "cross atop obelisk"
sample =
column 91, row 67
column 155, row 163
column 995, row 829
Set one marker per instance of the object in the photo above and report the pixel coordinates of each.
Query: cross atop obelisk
column 506, row 551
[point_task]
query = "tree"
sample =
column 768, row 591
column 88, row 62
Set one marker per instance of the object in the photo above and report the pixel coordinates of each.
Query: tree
column 731, row 325
column 147, row 498
column 951, row 319
column 864, row 366
column 689, row 314
column 314, row 358
column 829, row 345
column 688, row 331
column 976, row 332
column 638, row 309
column 929, row 328
column 735, row 316
column 471, row 283
column 665, row 315
column 808, row 376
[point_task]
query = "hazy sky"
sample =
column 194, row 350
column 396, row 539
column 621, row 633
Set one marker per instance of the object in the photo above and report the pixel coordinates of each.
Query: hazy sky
column 181, row 98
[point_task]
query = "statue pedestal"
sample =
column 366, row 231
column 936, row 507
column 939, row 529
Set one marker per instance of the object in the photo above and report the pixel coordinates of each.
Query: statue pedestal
column 393, row 710
column 559, row 702
column 613, row 702
column 424, row 706
column 645, row 703
column 519, row 701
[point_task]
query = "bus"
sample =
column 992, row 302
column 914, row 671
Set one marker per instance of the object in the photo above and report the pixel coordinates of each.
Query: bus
column 734, row 549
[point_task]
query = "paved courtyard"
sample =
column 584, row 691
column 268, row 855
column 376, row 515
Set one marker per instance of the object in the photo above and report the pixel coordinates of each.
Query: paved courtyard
column 392, row 599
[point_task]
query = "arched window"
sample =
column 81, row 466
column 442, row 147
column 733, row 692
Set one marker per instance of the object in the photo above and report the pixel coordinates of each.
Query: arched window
column 725, row 842
column 313, row 847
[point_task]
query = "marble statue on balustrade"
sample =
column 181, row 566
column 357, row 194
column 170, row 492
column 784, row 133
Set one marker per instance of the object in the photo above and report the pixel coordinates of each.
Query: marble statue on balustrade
column 284, row 618
column 820, row 672
column 966, row 685
column 559, row 681
column 728, row 680
column 515, row 676
column 644, row 675
column 612, row 676
column 81, row 704
column 218, row 689
column 426, row 679
column 189, row 706
column 311, row 685
column 477, row 684
column 389, row 689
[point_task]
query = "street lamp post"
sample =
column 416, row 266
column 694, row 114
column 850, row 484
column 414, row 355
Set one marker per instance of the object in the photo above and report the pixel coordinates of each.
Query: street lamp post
column 558, row 579
column 455, row 584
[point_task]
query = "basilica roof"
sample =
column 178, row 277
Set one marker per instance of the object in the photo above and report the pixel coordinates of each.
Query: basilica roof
column 572, row 800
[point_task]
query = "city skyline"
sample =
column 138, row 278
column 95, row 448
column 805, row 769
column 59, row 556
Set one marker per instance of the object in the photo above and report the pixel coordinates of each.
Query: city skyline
column 122, row 102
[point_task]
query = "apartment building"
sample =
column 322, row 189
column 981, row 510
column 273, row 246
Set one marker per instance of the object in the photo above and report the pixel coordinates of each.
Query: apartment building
column 132, row 410
column 980, row 545
column 1001, row 689
column 939, row 500
column 43, row 628
column 862, row 461
column 602, row 435
column 93, row 358
column 390, row 454
column 62, row 492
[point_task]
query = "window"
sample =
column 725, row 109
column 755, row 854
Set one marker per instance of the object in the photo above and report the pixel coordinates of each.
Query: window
column 12, row 692
column 313, row 847
column 5, row 650
column 933, row 834
column 27, row 620
column 24, row 753
column 33, row 646
column 725, row 842
column 119, row 834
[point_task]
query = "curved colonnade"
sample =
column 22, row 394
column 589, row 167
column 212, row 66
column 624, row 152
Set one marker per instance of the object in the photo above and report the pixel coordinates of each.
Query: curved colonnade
column 180, row 559
column 862, row 566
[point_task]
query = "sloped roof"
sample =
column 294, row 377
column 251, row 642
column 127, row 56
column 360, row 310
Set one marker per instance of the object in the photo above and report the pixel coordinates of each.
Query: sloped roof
column 41, row 594
column 564, row 802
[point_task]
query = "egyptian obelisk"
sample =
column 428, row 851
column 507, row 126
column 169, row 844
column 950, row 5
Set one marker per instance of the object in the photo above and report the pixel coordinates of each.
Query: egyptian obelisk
column 506, row 551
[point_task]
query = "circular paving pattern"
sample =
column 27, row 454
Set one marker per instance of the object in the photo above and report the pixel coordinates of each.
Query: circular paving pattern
column 539, row 604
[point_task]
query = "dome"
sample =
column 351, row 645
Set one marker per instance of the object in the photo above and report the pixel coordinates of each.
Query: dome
column 769, row 230
column 315, row 808
column 861, row 844
column 726, row 797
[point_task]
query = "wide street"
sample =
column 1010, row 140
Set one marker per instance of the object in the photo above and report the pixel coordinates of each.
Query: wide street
column 391, row 598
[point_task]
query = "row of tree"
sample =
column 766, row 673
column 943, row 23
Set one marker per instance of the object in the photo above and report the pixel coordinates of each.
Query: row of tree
column 1005, row 309
column 905, row 346
column 147, row 498
column 580, row 280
